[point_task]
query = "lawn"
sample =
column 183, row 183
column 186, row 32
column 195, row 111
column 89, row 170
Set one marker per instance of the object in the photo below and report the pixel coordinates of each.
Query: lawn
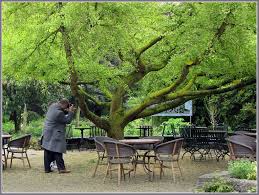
column 81, row 164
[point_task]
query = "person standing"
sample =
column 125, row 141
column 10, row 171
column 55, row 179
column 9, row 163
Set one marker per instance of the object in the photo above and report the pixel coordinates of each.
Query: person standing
column 54, row 140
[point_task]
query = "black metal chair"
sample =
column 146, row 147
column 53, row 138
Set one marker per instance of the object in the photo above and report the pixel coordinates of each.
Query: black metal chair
column 100, row 149
column 242, row 146
column 19, row 146
column 168, row 152
column 120, row 154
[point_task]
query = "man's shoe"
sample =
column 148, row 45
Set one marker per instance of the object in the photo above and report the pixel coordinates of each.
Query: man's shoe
column 64, row 171
column 48, row 171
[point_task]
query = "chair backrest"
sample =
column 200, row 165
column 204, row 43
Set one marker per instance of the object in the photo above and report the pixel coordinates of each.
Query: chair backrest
column 21, row 142
column 241, row 146
column 116, row 149
column 244, row 140
column 170, row 148
column 99, row 142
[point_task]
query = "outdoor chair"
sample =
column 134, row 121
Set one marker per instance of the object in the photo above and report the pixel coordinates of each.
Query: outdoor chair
column 120, row 154
column 168, row 152
column 100, row 149
column 149, row 147
column 19, row 146
column 242, row 146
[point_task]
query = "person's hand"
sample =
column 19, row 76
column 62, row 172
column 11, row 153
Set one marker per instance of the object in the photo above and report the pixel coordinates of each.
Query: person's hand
column 71, row 108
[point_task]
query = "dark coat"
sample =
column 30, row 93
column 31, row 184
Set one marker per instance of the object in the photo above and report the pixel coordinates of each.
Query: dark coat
column 54, row 133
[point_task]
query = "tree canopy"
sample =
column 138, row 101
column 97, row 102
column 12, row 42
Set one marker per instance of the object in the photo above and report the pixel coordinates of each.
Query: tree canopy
column 144, row 57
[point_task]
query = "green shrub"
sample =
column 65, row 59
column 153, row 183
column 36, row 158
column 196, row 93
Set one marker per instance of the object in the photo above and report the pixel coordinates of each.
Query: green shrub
column 217, row 185
column 253, row 189
column 34, row 143
column 174, row 124
column 243, row 169
column 33, row 116
column 35, row 127
column 8, row 127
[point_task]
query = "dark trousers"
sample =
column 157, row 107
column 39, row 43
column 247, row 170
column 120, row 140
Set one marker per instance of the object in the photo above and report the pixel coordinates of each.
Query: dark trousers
column 50, row 156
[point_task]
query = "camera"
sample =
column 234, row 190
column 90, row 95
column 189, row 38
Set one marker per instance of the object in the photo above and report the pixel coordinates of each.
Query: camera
column 69, row 105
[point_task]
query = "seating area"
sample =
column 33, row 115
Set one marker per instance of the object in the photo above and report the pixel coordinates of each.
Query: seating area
column 17, row 148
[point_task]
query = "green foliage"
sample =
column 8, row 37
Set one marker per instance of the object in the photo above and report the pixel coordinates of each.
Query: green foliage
column 35, row 127
column 131, row 128
column 173, row 125
column 243, row 169
column 106, row 38
column 253, row 189
column 33, row 116
column 8, row 127
column 34, row 143
column 217, row 185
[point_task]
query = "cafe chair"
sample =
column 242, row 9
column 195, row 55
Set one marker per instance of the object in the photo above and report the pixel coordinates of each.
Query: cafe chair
column 19, row 146
column 150, row 148
column 242, row 146
column 120, row 154
column 168, row 152
column 100, row 149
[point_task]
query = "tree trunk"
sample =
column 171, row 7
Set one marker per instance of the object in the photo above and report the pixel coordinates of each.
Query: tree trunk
column 17, row 121
column 116, row 132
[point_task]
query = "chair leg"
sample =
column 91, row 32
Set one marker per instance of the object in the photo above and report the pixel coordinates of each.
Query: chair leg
column 96, row 166
column 179, row 168
column 172, row 165
column 28, row 159
column 5, row 159
column 23, row 160
column 123, row 172
column 107, row 171
column 11, row 161
column 119, row 174
column 135, row 168
column 161, row 169
column 153, row 171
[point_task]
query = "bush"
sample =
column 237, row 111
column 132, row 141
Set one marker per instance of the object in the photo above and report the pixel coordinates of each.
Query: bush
column 174, row 124
column 33, row 116
column 217, row 185
column 243, row 169
column 34, row 143
column 35, row 127
column 8, row 127
column 253, row 189
column 131, row 128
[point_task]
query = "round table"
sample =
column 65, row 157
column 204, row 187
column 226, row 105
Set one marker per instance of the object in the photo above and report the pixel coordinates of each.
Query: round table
column 138, row 142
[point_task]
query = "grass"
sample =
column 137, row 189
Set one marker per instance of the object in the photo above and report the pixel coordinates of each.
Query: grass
column 20, row 179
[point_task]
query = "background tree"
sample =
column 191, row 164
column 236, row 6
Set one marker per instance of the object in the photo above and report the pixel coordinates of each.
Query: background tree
column 34, row 94
column 157, row 55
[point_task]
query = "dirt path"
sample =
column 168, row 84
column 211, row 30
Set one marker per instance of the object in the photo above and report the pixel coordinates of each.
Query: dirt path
column 20, row 179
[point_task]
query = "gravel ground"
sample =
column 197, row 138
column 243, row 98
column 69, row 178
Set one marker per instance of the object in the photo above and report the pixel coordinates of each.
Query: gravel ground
column 81, row 164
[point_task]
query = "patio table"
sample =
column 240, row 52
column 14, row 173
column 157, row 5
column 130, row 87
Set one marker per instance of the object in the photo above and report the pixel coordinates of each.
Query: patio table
column 137, row 143
column 5, row 140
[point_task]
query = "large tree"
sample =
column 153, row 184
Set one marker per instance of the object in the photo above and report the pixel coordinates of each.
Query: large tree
column 145, row 57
